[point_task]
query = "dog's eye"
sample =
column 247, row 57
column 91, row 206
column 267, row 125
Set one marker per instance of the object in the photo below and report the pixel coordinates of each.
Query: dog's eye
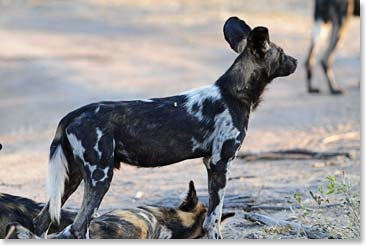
column 280, row 59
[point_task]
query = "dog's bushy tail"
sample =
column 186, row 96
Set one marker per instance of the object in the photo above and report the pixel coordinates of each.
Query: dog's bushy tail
column 57, row 175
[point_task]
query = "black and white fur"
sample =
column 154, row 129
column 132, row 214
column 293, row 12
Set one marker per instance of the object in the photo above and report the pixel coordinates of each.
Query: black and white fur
column 337, row 13
column 209, row 123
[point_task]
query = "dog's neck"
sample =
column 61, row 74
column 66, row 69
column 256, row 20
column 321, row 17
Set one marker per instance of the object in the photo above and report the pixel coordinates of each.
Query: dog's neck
column 244, row 82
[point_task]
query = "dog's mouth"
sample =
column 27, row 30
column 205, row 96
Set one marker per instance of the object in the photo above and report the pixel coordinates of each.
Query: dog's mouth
column 294, row 65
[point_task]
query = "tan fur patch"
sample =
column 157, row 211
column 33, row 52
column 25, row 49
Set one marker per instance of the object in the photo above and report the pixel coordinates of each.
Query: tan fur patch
column 189, row 218
column 135, row 220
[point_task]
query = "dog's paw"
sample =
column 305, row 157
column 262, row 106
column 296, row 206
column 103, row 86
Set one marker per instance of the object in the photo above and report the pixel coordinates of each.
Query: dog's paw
column 313, row 90
column 67, row 233
column 337, row 91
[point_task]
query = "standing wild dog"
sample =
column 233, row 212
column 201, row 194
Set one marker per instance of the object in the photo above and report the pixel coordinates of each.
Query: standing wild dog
column 147, row 222
column 208, row 123
column 337, row 13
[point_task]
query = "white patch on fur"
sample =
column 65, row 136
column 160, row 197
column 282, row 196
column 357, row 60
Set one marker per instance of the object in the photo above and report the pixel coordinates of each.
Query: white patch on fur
column 78, row 151
column 152, row 222
column 195, row 144
column 67, row 231
column 91, row 168
column 87, row 234
column 198, row 96
column 99, row 135
column 57, row 175
column 95, row 213
column 316, row 32
column 165, row 233
column 113, row 147
column 223, row 130
column 97, row 109
column 105, row 174
column 76, row 144
column 319, row 33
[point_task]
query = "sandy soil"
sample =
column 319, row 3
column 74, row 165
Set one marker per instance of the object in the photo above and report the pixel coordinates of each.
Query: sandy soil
column 56, row 56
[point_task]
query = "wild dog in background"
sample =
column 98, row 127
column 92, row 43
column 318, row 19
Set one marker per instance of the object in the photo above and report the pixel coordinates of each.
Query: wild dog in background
column 337, row 13
column 147, row 222
column 209, row 123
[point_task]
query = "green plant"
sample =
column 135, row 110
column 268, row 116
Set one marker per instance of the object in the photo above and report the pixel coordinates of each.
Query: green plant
column 336, row 195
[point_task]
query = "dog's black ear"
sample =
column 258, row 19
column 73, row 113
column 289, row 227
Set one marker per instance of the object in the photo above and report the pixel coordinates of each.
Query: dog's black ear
column 191, row 200
column 258, row 39
column 226, row 216
column 235, row 32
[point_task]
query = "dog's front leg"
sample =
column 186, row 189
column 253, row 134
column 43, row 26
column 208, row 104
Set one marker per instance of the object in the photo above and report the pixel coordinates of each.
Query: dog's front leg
column 217, row 181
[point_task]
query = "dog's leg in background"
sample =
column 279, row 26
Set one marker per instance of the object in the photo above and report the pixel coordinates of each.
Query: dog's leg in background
column 317, row 35
column 217, row 181
column 337, row 34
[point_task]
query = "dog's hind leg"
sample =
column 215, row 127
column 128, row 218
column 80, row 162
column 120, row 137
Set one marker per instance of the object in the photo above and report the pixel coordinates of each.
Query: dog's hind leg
column 42, row 221
column 93, row 195
column 97, row 156
column 317, row 35
column 337, row 34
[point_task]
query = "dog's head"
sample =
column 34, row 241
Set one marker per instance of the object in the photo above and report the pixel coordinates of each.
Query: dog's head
column 254, row 46
column 187, row 220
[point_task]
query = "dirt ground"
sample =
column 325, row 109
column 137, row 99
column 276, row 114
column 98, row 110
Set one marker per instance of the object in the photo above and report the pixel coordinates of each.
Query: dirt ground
column 58, row 55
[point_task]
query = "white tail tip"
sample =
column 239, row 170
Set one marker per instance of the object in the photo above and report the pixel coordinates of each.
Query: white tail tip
column 57, row 175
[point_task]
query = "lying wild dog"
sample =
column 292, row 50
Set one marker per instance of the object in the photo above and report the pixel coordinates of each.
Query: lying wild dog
column 146, row 222
column 209, row 123
column 23, row 210
column 338, row 14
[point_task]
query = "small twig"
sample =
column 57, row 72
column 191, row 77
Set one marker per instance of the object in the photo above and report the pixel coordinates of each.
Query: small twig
column 291, row 154
column 242, row 177
column 293, row 227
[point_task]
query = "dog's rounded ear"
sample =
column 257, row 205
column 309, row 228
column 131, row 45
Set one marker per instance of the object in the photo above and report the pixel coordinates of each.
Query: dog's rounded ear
column 235, row 33
column 258, row 39
column 191, row 200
